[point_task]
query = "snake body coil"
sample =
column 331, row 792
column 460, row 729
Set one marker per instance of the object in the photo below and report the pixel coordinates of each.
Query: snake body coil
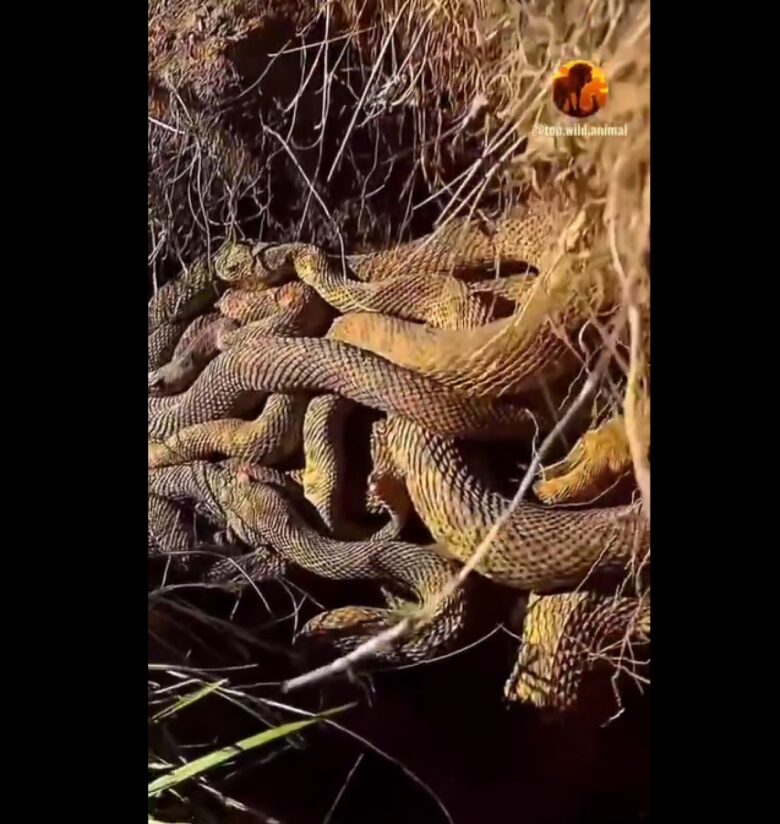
column 445, row 339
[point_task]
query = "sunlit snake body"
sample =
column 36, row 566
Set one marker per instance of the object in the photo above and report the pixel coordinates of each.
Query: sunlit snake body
column 599, row 459
column 449, row 365
column 567, row 634
column 271, row 437
column 443, row 301
column 315, row 365
column 174, row 305
column 536, row 548
column 508, row 356
column 468, row 248
column 326, row 453
column 193, row 352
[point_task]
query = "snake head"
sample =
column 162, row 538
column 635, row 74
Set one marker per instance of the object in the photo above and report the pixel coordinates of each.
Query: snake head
column 173, row 377
column 386, row 487
column 155, row 381
column 381, row 448
column 378, row 443
column 233, row 261
column 382, row 458
column 253, row 266
column 344, row 628
column 374, row 501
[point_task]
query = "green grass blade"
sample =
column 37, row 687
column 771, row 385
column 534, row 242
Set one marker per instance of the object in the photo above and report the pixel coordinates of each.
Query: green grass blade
column 186, row 700
column 217, row 757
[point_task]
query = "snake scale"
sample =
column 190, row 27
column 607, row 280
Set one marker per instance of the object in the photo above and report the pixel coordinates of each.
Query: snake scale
column 271, row 437
column 537, row 548
column 262, row 513
column 446, row 340
column 174, row 306
column 564, row 635
column 505, row 357
column 275, row 364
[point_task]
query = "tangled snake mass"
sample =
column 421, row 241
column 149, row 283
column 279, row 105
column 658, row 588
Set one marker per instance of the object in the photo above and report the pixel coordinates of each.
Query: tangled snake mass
column 454, row 348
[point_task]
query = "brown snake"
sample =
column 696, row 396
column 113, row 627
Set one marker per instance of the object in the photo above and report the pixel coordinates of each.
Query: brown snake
column 422, row 336
column 265, row 514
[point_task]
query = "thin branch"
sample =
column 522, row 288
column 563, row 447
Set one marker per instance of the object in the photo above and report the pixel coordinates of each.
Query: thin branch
column 377, row 63
column 342, row 790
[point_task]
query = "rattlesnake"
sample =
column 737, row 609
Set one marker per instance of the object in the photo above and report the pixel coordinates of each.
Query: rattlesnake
column 261, row 513
column 534, row 346
column 567, row 634
column 537, row 548
column 496, row 340
column 309, row 364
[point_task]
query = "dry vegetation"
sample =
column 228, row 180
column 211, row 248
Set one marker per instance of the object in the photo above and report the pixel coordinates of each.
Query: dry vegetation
column 364, row 124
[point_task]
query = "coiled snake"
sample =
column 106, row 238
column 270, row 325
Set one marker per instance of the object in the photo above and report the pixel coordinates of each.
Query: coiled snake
column 423, row 336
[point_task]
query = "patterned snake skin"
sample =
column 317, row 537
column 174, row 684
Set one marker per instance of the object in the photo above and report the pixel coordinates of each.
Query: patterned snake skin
column 304, row 364
column 506, row 357
column 189, row 359
column 273, row 436
column 537, row 548
column 567, row 634
column 443, row 337
column 599, row 459
column 263, row 514
column 444, row 301
column 173, row 306
column 327, row 455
